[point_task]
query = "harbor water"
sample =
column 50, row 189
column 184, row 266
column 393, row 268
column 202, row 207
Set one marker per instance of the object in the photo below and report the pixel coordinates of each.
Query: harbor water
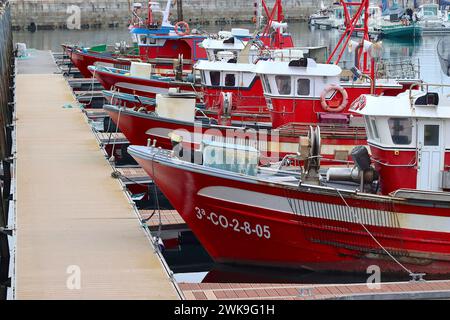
column 421, row 50
column 187, row 259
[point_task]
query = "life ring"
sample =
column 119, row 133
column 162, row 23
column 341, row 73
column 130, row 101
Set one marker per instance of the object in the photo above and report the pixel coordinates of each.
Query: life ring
column 323, row 98
column 182, row 25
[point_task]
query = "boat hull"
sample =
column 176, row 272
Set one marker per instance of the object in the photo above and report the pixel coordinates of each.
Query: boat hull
column 274, row 145
column 242, row 221
column 139, row 86
column 82, row 60
column 411, row 32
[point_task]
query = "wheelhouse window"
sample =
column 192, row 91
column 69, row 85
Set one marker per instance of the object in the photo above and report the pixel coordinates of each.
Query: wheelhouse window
column 369, row 127
column 215, row 78
column 431, row 135
column 266, row 84
column 284, row 85
column 401, row 130
column 230, row 80
column 143, row 39
column 202, row 75
column 303, row 87
column 373, row 124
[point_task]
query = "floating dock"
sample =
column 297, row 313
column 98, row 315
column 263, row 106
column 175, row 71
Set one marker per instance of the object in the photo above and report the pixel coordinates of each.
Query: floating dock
column 386, row 291
column 77, row 233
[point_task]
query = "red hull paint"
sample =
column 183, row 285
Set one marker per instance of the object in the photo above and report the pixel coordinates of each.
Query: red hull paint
column 135, row 126
column 296, row 240
column 288, row 110
column 137, row 86
column 400, row 166
column 401, row 169
column 189, row 47
column 83, row 60
column 172, row 48
column 249, row 100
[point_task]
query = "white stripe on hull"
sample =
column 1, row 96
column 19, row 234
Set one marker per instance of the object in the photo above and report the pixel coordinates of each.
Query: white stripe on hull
column 261, row 145
column 328, row 211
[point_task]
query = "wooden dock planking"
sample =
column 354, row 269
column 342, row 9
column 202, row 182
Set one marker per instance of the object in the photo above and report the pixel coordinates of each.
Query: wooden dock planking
column 112, row 138
column 170, row 219
column 95, row 114
column 134, row 176
column 69, row 210
column 386, row 291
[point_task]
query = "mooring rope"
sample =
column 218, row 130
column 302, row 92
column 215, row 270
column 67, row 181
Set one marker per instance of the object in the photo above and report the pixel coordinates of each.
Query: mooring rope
column 112, row 159
column 158, row 237
column 410, row 273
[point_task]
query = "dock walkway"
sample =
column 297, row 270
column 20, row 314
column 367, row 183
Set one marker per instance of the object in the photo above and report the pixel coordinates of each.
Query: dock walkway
column 72, row 218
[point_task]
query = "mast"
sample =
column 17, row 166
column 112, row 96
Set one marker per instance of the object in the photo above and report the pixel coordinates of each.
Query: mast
column 351, row 25
column 274, row 19
column 166, row 13
column 150, row 14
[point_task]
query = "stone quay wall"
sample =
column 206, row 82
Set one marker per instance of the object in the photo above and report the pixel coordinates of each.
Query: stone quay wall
column 61, row 14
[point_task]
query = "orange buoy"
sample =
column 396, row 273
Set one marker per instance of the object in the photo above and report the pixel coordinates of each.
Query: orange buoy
column 180, row 26
column 323, row 98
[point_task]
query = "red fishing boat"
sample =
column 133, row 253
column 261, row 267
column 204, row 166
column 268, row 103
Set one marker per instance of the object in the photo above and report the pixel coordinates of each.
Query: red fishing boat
column 121, row 56
column 339, row 137
column 140, row 80
column 160, row 45
column 340, row 219
column 298, row 93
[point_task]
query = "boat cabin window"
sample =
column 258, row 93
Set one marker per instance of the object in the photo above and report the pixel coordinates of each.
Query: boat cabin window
column 303, row 87
column 431, row 135
column 401, row 130
column 284, row 85
column 266, row 84
column 142, row 39
column 230, row 80
column 430, row 11
column 430, row 99
column 369, row 128
column 373, row 124
column 215, row 78
column 146, row 40
column 202, row 75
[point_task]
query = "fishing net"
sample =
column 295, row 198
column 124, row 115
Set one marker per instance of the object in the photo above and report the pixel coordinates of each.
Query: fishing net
column 443, row 51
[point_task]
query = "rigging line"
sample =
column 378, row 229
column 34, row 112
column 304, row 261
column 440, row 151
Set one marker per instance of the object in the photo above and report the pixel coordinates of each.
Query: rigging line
column 154, row 207
column 115, row 136
column 156, row 198
column 110, row 120
column 412, row 274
